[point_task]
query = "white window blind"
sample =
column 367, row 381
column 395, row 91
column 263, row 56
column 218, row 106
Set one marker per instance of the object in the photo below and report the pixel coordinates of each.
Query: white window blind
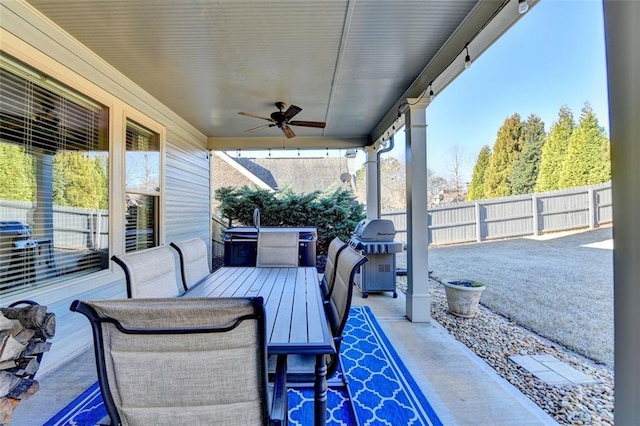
column 53, row 180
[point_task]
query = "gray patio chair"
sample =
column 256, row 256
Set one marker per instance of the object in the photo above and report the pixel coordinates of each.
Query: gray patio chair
column 150, row 273
column 328, row 278
column 185, row 361
column 301, row 368
column 194, row 261
column 277, row 249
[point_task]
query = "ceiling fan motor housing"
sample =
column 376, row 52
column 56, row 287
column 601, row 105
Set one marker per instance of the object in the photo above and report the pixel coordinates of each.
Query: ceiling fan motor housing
column 278, row 117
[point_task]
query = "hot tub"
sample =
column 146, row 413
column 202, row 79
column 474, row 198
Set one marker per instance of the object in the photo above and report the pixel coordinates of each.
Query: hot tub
column 240, row 244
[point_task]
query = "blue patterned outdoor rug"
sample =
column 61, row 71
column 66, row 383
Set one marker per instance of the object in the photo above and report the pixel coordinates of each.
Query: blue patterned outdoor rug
column 381, row 388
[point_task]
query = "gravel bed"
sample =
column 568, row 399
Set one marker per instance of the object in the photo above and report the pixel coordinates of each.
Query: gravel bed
column 495, row 338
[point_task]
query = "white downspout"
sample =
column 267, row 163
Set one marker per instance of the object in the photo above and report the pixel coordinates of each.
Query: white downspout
column 373, row 185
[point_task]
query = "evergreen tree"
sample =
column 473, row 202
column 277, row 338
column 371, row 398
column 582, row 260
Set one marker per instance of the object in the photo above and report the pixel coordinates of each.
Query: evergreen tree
column 79, row 181
column 554, row 151
column 100, row 164
column 506, row 151
column 587, row 161
column 334, row 214
column 476, row 187
column 17, row 175
column 525, row 169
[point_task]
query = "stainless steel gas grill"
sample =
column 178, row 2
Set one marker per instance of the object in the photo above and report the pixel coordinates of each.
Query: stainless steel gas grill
column 374, row 239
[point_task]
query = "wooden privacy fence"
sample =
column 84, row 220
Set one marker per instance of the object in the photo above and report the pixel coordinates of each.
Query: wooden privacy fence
column 514, row 216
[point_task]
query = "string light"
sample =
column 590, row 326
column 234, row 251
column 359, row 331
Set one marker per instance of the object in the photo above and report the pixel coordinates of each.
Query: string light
column 467, row 59
column 523, row 6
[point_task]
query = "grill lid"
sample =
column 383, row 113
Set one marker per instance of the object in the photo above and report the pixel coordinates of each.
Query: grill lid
column 14, row 228
column 378, row 230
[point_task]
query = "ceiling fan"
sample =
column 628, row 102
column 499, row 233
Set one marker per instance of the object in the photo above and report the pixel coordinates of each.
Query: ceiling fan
column 282, row 120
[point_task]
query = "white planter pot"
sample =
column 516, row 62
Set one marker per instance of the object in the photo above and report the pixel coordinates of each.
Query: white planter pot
column 463, row 301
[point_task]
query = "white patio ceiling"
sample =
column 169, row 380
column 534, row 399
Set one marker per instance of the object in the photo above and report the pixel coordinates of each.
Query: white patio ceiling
column 349, row 63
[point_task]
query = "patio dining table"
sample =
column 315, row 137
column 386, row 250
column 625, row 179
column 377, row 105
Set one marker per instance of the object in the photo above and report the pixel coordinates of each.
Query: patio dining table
column 295, row 317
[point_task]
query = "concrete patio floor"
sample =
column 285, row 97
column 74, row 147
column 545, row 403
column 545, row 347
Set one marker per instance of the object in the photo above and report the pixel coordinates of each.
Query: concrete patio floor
column 461, row 387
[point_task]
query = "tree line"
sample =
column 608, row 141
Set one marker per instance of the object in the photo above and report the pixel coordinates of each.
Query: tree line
column 526, row 159
column 79, row 180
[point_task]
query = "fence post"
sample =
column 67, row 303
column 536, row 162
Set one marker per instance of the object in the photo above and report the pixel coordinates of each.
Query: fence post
column 592, row 207
column 478, row 222
column 534, row 208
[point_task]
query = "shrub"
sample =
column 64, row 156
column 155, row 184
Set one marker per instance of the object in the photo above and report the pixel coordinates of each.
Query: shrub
column 334, row 214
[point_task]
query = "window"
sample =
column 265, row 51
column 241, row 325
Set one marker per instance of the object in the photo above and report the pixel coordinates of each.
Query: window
column 142, row 187
column 53, row 180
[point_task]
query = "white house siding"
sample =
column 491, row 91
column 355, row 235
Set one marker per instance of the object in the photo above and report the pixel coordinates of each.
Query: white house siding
column 187, row 193
column 185, row 210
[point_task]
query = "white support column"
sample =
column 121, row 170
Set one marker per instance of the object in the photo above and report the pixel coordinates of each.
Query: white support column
column 418, row 299
column 371, row 170
column 622, row 36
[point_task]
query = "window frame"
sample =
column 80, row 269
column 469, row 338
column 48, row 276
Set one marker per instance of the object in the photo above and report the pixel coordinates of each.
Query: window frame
column 160, row 131
column 118, row 112
column 38, row 240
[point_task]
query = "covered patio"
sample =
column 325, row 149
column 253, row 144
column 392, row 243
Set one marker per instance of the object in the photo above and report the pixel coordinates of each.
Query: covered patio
column 366, row 69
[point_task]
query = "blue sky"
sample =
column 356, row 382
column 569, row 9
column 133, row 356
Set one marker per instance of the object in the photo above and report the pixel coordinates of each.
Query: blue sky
column 553, row 56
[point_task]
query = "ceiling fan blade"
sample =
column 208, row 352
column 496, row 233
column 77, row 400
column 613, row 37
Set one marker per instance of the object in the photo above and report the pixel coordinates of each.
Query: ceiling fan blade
column 287, row 131
column 248, row 114
column 255, row 129
column 317, row 124
column 291, row 112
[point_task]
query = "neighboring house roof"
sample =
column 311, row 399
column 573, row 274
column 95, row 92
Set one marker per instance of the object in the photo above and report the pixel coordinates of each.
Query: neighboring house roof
column 302, row 175
column 258, row 171
column 226, row 171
